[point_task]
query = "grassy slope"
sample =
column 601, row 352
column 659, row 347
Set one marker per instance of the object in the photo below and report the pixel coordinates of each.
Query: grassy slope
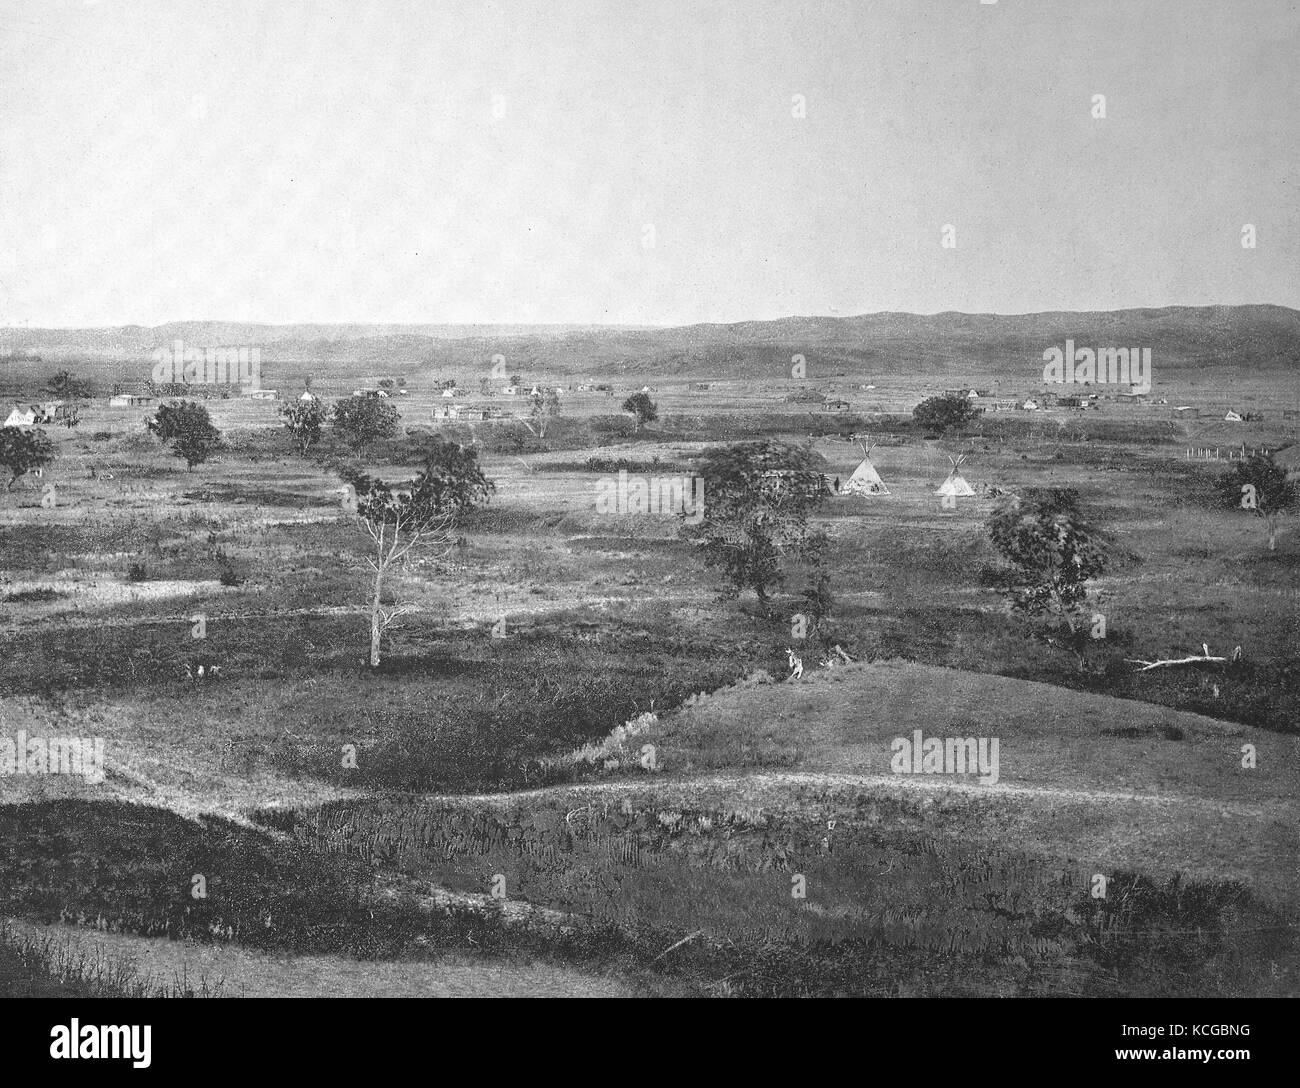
column 1192, row 808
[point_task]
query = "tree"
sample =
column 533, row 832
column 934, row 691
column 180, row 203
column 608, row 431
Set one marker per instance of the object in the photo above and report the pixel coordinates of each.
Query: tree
column 758, row 497
column 421, row 514
column 642, row 408
column 1261, row 486
column 364, row 420
column 944, row 413
column 451, row 478
column 1053, row 552
column 545, row 407
column 305, row 421
column 21, row 451
column 188, row 427
column 65, row 386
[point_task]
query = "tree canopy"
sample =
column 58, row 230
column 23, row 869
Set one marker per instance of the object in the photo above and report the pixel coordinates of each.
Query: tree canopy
column 1262, row 487
column 758, row 497
column 189, row 428
column 23, row 450
column 944, row 413
column 1052, row 549
column 364, row 420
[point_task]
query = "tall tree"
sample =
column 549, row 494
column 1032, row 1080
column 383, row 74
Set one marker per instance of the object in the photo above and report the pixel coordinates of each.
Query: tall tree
column 418, row 515
column 545, row 407
column 758, row 498
column 1052, row 549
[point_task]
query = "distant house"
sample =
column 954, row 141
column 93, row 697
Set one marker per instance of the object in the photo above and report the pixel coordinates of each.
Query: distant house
column 448, row 393
column 308, row 397
column 130, row 400
column 20, row 417
column 264, row 394
column 467, row 412
column 1030, row 405
column 835, row 406
column 1186, row 411
column 1232, row 417
column 1069, row 402
column 700, row 387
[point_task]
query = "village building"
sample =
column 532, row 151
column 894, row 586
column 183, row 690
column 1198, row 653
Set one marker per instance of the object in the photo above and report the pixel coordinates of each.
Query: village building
column 130, row 400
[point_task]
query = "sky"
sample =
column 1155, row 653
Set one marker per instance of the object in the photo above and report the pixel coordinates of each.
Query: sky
column 655, row 162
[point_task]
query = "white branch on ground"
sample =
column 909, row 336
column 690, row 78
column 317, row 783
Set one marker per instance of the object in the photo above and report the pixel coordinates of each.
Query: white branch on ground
column 1205, row 657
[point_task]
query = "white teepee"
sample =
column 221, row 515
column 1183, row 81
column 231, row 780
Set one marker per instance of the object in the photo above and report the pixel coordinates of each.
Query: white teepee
column 955, row 484
column 865, row 479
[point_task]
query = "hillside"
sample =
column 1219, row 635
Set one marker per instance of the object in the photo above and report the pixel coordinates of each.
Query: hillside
column 1249, row 338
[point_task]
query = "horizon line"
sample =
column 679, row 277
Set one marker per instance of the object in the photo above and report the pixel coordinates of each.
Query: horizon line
column 640, row 325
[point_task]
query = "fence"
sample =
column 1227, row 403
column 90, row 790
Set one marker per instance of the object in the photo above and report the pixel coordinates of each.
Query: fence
column 1225, row 453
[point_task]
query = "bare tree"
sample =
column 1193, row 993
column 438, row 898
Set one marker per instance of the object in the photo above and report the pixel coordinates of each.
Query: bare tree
column 418, row 515
column 398, row 523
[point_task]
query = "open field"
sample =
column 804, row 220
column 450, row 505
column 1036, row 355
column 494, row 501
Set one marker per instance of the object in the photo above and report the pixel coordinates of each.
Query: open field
column 488, row 745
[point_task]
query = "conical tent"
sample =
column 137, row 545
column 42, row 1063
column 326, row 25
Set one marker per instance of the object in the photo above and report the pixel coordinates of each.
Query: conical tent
column 955, row 484
column 865, row 479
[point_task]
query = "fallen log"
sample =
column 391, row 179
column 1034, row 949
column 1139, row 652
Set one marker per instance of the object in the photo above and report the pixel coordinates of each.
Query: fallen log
column 1203, row 658
column 1172, row 662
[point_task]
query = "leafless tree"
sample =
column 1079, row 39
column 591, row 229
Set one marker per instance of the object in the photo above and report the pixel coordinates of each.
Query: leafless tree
column 398, row 523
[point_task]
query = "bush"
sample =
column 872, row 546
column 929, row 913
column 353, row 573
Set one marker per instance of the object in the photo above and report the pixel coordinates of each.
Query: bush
column 136, row 572
column 943, row 413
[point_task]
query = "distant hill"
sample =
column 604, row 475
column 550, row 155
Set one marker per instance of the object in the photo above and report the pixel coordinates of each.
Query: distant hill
column 1249, row 338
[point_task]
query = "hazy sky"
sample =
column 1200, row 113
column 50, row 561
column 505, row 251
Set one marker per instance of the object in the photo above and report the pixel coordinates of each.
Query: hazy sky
column 641, row 161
